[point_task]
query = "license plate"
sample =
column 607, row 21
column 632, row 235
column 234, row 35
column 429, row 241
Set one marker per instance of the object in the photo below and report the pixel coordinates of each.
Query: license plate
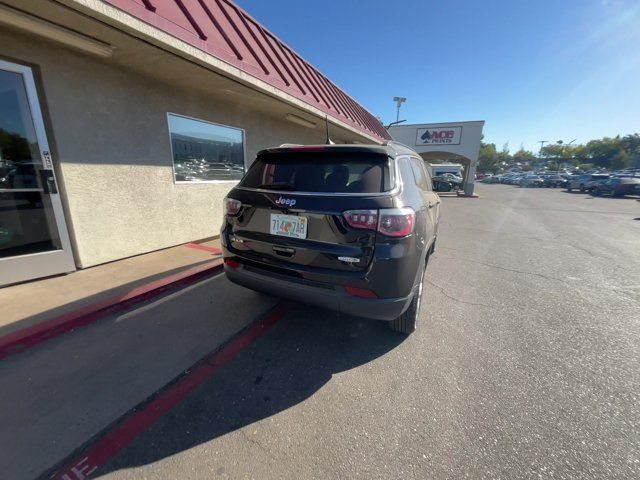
column 288, row 226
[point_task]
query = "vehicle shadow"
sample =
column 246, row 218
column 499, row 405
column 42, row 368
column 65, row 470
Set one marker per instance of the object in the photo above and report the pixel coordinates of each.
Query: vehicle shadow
column 296, row 358
column 612, row 197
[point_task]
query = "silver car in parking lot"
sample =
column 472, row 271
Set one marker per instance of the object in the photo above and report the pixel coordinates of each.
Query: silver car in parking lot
column 586, row 181
column 531, row 180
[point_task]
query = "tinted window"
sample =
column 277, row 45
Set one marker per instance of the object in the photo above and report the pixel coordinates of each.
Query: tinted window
column 204, row 151
column 337, row 172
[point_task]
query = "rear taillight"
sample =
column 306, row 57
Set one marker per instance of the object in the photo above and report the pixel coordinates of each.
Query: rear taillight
column 392, row 222
column 231, row 263
column 396, row 222
column 361, row 292
column 364, row 219
column 232, row 206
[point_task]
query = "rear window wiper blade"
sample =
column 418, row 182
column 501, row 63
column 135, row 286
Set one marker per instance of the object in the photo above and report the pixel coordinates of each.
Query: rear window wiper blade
column 277, row 186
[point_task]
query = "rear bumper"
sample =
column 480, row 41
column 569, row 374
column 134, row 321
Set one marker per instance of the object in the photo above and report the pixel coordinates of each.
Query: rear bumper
column 330, row 297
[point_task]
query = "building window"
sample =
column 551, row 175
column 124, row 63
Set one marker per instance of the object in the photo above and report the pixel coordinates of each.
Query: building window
column 205, row 152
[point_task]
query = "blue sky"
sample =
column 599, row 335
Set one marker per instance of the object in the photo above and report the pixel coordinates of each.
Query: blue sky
column 534, row 70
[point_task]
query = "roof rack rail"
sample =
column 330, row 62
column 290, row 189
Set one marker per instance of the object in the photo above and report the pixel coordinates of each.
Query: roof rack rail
column 398, row 145
column 393, row 142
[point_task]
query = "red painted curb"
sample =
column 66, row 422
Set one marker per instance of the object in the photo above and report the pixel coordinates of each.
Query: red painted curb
column 20, row 340
column 127, row 429
column 206, row 248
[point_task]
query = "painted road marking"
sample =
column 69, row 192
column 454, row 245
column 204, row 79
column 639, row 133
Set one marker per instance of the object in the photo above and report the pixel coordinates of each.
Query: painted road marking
column 142, row 417
column 20, row 340
column 80, row 471
column 206, row 248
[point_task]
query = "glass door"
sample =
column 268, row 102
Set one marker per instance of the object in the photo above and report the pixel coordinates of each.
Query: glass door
column 33, row 236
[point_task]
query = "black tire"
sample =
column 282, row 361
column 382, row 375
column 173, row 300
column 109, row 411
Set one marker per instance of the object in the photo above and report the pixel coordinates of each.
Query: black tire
column 569, row 188
column 406, row 323
column 582, row 189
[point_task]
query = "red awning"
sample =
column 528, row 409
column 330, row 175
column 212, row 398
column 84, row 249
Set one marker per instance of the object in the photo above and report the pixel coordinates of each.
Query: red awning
column 222, row 29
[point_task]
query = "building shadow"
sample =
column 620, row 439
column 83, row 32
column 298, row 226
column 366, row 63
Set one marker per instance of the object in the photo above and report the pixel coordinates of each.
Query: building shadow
column 296, row 358
column 114, row 293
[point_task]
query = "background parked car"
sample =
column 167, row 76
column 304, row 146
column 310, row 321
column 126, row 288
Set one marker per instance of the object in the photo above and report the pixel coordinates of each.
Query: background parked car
column 446, row 182
column 552, row 180
column 456, row 180
column 618, row 187
column 515, row 179
column 586, row 181
column 491, row 179
column 531, row 181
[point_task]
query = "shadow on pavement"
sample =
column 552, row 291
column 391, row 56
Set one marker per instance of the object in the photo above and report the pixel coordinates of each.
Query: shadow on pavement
column 115, row 292
column 283, row 368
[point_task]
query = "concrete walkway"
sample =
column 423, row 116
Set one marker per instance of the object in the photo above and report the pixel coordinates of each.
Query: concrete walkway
column 59, row 394
column 30, row 303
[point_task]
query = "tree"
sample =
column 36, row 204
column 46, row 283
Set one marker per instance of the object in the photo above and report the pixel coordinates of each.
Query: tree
column 620, row 160
column 601, row 152
column 552, row 150
column 524, row 156
column 503, row 156
column 631, row 144
column 14, row 146
column 488, row 158
column 614, row 153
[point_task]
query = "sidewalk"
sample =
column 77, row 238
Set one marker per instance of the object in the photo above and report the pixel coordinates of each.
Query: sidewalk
column 58, row 396
column 29, row 304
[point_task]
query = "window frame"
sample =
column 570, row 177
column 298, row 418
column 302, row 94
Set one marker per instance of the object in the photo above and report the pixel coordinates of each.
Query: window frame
column 200, row 182
column 419, row 164
column 394, row 169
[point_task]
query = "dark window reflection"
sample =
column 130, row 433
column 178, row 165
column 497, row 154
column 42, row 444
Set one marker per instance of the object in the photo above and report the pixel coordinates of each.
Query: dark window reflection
column 203, row 151
column 27, row 223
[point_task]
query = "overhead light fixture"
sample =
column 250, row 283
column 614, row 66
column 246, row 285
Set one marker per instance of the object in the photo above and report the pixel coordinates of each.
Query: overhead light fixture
column 300, row 121
column 399, row 101
column 17, row 19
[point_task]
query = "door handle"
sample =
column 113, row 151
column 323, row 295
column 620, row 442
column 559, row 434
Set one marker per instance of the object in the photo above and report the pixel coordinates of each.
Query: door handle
column 48, row 182
column 284, row 251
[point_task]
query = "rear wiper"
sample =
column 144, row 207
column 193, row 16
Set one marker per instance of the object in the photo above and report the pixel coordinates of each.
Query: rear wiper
column 277, row 186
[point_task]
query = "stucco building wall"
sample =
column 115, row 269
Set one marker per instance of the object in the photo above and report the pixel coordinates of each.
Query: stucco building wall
column 107, row 127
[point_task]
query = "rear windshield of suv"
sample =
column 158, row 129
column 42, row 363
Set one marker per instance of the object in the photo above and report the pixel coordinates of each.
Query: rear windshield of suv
column 337, row 172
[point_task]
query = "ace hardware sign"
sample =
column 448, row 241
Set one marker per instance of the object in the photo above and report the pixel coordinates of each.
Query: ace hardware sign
column 439, row 135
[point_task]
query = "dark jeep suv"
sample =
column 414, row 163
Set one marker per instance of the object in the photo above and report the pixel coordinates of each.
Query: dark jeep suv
column 345, row 227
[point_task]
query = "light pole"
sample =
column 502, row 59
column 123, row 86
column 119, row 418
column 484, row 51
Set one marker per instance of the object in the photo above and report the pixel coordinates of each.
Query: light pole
column 399, row 101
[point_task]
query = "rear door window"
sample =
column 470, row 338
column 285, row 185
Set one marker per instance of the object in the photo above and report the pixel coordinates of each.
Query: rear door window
column 420, row 175
column 326, row 172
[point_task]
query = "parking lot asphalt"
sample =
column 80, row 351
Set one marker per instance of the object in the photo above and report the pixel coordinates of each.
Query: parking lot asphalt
column 525, row 365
